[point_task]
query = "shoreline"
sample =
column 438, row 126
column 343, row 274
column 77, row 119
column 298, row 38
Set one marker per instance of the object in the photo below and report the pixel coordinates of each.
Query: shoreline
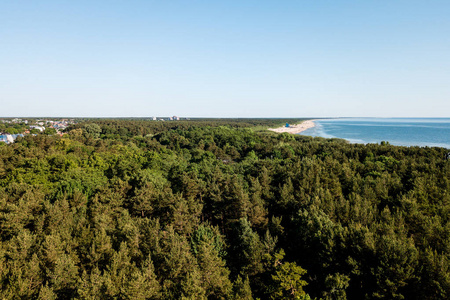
column 297, row 128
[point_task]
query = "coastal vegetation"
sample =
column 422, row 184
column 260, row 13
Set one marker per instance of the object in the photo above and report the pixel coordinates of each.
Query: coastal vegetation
column 214, row 209
column 13, row 128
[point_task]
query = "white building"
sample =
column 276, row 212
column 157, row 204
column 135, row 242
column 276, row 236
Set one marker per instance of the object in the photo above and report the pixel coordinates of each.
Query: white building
column 40, row 128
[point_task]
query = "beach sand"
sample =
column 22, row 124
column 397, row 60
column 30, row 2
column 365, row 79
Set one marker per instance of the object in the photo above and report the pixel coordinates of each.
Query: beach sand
column 295, row 128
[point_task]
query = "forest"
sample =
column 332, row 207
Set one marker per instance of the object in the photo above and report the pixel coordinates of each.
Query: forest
column 220, row 209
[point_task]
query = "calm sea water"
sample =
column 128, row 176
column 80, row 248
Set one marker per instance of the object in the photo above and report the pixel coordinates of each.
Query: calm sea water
column 432, row 132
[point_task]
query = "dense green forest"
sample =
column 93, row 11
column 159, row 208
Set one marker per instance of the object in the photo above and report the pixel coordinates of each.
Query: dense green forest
column 214, row 209
column 12, row 128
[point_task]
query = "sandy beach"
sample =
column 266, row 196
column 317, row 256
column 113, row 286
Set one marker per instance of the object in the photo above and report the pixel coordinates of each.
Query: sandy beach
column 295, row 128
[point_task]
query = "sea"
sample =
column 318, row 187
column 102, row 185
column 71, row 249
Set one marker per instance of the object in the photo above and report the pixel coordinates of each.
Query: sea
column 431, row 132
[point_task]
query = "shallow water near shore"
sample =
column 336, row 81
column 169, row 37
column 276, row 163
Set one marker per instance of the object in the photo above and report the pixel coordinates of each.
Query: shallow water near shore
column 431, row 132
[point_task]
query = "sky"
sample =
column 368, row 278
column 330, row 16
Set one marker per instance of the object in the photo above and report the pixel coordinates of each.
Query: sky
column 271, row 59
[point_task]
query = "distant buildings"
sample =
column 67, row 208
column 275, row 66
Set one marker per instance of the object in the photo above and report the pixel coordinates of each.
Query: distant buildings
column 25, row 126
column 40, row 128
column 59, row 125
column 172, row 118
column 9, row 138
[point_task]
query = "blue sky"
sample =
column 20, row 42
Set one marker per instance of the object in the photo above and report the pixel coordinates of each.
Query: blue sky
column 225, row 58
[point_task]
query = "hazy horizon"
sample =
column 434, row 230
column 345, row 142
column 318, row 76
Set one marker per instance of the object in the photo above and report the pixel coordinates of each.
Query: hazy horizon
column 208, row 117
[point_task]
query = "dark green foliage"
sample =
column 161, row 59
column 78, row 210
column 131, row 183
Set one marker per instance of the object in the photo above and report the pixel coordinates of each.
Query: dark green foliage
column 49, row 131
column 288, row 281
column 214, row 209
column 242, row 289
column 92, row 130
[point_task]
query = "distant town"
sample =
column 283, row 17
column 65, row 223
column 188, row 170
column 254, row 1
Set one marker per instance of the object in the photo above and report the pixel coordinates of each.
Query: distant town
column 11, row 128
